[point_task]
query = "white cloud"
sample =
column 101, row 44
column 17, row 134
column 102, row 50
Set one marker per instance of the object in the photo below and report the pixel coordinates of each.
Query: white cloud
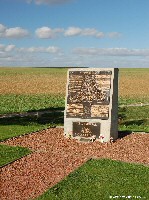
column 2, row 47
column 6, row 51
column 99, row 35
column 74, row 31
column 16, row 32
column 9, row 48
column 13, row 49
column 31, row 56
column 49, row 2
column 47, row 33
column 114, row 35
column 2, row 30
column 50, row 49
column 111, row 51
column 53, row 56
column 6, row 48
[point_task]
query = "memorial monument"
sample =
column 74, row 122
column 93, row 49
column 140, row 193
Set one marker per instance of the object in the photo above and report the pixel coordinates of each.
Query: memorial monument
column 91, row 105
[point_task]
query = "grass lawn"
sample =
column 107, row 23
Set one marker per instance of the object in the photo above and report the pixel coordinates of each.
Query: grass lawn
column 9, row 154
column 10, row 103
column 134, row 119
column 15, row 126
column 102, row 179
column 128, row 100
column 131, row 119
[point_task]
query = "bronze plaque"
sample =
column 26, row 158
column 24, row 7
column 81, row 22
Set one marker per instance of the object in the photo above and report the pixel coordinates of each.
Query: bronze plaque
column 86, row 129
column 100, row 111
column 88, row 94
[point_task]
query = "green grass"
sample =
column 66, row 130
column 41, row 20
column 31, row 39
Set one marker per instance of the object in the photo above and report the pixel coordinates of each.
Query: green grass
column 128, row 100
column 134, row 118
column 100, row 179
column 9, row 154
column 15, row 126
column 10, row 103
column 13, row 71
column 136, row 70
column 9, row 131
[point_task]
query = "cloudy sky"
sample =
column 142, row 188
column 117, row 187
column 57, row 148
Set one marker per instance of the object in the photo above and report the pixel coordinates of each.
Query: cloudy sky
column 59, row 33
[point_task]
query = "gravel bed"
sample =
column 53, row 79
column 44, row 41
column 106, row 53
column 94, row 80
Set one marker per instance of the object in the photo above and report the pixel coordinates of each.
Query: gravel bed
column 54, row 157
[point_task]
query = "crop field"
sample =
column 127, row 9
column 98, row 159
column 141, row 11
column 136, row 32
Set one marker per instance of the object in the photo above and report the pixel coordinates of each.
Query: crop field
column 133, row 83
column 32, row 81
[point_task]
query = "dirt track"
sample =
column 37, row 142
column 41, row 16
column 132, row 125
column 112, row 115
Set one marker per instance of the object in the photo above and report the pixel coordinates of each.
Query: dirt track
column 54, row 157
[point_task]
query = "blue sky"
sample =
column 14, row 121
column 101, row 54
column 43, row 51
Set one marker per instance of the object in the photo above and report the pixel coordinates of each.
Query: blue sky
column 59, row 33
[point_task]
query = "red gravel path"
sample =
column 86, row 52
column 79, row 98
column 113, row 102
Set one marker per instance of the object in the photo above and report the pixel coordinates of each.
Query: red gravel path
column 54, row 157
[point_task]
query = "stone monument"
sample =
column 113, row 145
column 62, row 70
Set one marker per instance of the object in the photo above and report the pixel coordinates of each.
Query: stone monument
column 91, row 106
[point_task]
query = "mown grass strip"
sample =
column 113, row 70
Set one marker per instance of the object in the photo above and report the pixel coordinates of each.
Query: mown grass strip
column 128, row 100
column 134, row 119
column 136, row 112
column 11, row 103
column 15, row 126
column 130, row 119
column 102, row 179
column 9, row 154
column 134, row 127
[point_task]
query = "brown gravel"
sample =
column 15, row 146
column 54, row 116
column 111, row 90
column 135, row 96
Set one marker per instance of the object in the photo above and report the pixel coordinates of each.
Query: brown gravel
column 54, row 157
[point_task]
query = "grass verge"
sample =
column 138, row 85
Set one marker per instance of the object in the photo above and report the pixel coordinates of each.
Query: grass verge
column 134, row 119
column 15, row 126
column 10, row 103
column 130, row 119
column 128, row 100
column 9, row 154
column 102, row 179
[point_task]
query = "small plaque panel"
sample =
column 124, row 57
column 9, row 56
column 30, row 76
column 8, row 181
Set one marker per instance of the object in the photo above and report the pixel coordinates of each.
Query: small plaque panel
column 88, row 94
column 86, row 129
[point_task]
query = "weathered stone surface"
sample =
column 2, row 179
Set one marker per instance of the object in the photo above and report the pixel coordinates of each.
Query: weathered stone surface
column 91, row 98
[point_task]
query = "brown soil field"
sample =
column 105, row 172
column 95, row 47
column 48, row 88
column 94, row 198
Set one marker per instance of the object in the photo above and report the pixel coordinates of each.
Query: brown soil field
column 132, row 82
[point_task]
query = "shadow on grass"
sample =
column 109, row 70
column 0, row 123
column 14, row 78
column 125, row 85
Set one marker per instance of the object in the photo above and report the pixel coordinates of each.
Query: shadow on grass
column 39, row 118
column 122, row 113
column 122, row 134
column 138, row 122
column 47, row 109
